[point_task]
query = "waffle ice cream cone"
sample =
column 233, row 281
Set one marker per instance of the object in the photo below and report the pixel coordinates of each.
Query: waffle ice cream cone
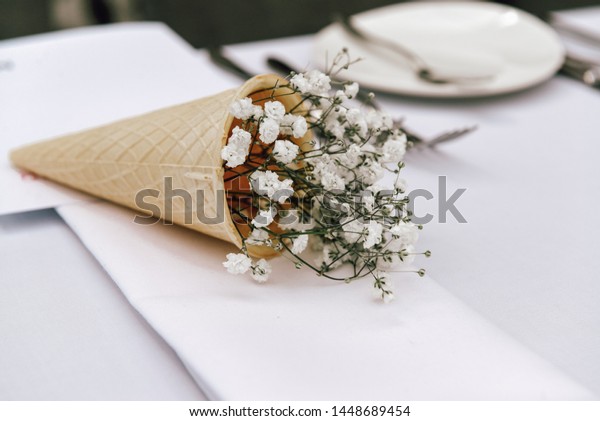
column 166, row 154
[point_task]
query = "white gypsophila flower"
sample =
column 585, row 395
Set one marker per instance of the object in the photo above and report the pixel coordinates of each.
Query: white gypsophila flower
column 333, row 121
column 368, row 202
column 335, row 129
column 237, row 263
column 340, row 96
column 263, row 219
column 331, row 181
column 370, row 172
column 321, row 164
column 388, row 296
column 257, row 237
column 299, row 127
column 268, row 130
column 293, row 125
column 351, row 89
column 329, row 257
column 313, row 82
column 274, row 110
column 285, row 151
column 264, row 183
column 324, row 104
column 406, row 232
column 319, row 82
column 244, row 109
column 374, row 234
column 258, row 112
column 384, row 291
column 236, row 150
column 356, row 119
column 387, row 210
column 267, row 183
column 395, row 260
column 400, row 184
column 408, row 254
column 388, row 261
column 353, row 116
column 354, row 231
column 299, row 244
column 352, row 157
column 337, row 113
column 285, row 126
column 261, row 271
column 379, row 120
column 394, row 149
column 299, row 82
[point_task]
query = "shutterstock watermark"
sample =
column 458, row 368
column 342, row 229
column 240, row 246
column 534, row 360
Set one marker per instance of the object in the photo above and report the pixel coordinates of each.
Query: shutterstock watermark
column 209, row 207
column 445, row 204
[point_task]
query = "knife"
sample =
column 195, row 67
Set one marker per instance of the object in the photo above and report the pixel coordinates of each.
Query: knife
column 221, row 60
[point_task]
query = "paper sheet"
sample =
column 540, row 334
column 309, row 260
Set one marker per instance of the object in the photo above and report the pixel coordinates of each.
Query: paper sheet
column 66, row 81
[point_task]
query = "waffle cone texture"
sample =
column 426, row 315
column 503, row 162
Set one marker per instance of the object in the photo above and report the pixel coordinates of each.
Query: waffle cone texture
column 181, row 143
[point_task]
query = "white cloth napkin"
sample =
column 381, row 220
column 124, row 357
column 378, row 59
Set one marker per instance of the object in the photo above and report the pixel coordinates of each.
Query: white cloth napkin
column 303, row 337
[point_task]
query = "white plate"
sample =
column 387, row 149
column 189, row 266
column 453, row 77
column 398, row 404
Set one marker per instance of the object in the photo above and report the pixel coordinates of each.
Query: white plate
column 458, row 37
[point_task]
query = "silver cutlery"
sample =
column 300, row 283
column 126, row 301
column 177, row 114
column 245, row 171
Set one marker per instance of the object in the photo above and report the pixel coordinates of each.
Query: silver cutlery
column 224, row 62
column 583, row 70
column 420, row 66
column 586, row 71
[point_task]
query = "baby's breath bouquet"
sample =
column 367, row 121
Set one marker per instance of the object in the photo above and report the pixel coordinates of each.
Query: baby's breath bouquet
column 319, row 202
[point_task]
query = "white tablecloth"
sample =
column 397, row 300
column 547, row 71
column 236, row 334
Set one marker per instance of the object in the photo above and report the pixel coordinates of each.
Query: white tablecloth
column 67, row 332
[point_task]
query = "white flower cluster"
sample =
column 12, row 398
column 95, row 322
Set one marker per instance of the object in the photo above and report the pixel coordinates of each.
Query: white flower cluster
column 327, row 196
column 285, row 151
column 267, row 183
column 272, row 122
column 244, row 109
column 239, row 263
column 313, row 82
column 236, row 150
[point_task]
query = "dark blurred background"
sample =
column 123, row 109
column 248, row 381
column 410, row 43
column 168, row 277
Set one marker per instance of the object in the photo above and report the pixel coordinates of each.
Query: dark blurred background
column 206, row 22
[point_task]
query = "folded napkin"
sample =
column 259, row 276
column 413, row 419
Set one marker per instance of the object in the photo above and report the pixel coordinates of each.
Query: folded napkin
column 303, row 337
column 580, row 31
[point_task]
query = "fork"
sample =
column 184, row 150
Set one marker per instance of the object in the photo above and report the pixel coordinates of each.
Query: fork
column 420, row 67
